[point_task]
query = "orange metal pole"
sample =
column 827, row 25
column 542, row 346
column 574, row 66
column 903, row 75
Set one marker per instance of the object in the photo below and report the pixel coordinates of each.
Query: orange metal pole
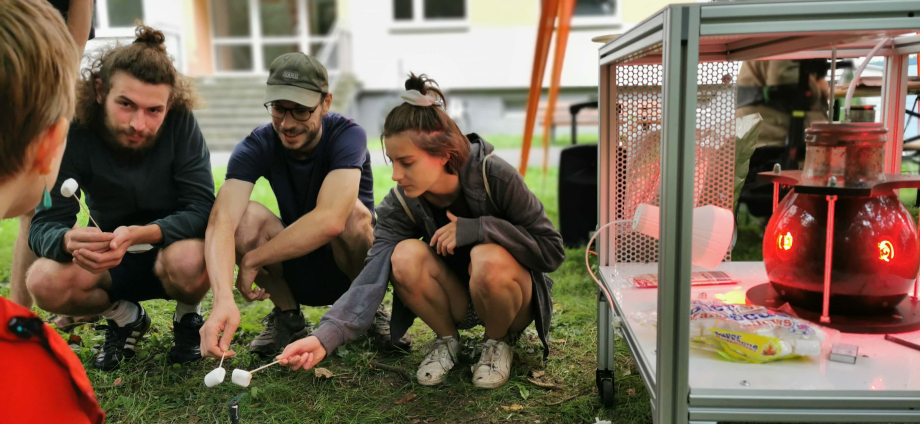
column 566, row 7
column 550, row 9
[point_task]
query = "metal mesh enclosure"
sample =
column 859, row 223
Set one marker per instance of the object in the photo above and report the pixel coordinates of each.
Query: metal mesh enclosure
column 637, row 171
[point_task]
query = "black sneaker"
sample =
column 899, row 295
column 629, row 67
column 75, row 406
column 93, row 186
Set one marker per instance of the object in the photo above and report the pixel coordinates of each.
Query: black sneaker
column 380, row 333
column 120, row 341
column 187, row 347
column 281, row 328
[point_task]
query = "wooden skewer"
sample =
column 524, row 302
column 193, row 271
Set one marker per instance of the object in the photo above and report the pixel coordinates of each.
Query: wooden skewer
column 222, row 359
column 264, row 367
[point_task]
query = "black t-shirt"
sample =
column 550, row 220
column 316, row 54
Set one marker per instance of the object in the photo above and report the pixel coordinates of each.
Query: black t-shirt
column 459, row 262
column 295, row 182
column 63, row 6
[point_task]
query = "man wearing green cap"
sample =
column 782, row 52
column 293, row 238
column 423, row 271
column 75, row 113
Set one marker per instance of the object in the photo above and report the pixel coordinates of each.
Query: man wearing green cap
column 319, row 169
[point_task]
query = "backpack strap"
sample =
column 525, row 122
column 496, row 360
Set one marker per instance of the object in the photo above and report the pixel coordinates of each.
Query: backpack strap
column 485, row 179
column 404, row 205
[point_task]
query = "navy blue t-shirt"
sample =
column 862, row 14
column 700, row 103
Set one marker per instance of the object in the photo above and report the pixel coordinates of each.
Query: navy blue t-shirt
column 296, row 183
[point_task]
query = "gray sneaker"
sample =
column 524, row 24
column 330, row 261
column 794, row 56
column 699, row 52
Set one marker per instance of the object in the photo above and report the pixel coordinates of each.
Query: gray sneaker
column 380, row 333
column 281, row 328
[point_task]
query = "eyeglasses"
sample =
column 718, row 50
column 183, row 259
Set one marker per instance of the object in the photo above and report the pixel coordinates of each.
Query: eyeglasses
column 299, row 113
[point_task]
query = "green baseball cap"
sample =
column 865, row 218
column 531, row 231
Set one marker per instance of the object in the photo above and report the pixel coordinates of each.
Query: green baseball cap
column 297, row 77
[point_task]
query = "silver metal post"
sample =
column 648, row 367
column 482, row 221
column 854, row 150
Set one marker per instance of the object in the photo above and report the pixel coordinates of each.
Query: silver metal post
column 680, row 58
column 828, row 256
column 832, row 85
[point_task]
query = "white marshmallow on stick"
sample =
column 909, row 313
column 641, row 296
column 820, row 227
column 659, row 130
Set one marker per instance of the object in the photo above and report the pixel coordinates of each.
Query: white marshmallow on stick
column 68, row 189
column 243, row 377
column 216, row 376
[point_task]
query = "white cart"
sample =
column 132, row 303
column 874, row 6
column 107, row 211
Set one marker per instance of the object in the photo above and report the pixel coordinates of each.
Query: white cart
column 667, row 101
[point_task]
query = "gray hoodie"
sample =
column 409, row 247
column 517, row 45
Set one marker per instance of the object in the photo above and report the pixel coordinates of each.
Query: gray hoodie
column 517, row 221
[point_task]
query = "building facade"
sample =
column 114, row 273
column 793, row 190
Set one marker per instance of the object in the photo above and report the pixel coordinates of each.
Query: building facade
column 480, row 51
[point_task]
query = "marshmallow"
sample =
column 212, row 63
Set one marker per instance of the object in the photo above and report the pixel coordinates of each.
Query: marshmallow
column 215, row 377
column 69, row 187
column 241, row 377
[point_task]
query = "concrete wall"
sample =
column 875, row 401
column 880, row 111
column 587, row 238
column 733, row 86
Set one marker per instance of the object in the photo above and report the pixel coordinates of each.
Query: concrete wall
column 493, row 49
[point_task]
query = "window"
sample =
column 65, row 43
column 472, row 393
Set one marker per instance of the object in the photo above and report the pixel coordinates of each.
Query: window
column 402, row 10
column 122, row 13
column 278, row 17
column 230, row 18
column 595, row 8
column 445, row 9
column 248, row 35
column 234, row 58
column 418, row 11
column 272, row 51
column 322, row 16
column 115, row 18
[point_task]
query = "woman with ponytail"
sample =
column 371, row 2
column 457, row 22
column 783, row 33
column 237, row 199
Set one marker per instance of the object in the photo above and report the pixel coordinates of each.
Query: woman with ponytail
column 461, row 238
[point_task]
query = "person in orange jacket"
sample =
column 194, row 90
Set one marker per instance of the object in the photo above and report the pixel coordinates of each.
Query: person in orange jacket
column 42, row 380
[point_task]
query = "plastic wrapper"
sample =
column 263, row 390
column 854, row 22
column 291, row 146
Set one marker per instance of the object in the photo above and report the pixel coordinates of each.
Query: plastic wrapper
column 706, row 278
column 748, row 333
column 751, row 333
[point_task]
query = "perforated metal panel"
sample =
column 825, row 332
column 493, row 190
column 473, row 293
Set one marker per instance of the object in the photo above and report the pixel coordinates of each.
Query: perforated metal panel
column 638, row 164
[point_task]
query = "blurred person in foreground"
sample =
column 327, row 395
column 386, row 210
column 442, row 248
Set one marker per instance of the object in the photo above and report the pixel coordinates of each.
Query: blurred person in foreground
column 42, row 380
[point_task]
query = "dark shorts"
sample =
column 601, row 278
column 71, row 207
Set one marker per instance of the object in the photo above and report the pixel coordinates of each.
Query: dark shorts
column 134, row 280
column 315, row 279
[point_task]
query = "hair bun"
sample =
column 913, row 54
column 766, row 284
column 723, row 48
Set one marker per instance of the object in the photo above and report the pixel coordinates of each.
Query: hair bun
column 150, row 37
column 425, row 86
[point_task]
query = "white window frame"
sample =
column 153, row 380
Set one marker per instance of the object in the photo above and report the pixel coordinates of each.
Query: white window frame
column 418, row 21
column 102, row 28
column 587, row 22
column 256, row 41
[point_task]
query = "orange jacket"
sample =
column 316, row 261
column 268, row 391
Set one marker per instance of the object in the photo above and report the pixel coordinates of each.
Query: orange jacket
column 41, row 379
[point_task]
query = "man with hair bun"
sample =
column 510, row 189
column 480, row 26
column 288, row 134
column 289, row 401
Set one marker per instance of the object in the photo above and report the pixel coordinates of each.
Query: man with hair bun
column 145, row 174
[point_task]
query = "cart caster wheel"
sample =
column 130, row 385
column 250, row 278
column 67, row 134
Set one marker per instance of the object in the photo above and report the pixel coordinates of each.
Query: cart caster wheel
column 606, row 393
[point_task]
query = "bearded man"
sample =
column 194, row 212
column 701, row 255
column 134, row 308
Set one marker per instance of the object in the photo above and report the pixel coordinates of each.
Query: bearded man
column 145, row 174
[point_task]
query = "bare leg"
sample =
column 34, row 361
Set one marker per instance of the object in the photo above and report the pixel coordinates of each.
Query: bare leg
column 258, row 226
column 501, row 289
column 427, row 287
column 23, row 258
column 67, row 289
column 350, row 248
column 182, row 271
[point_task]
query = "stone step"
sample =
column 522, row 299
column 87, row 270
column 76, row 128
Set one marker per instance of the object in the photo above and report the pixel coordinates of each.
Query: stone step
column 244, row 122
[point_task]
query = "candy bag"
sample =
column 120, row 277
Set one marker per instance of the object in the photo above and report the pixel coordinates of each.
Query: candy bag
column 751, row 333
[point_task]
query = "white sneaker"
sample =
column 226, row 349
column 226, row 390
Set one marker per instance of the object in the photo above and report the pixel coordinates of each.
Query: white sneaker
column 440, row 359
column 494, row 367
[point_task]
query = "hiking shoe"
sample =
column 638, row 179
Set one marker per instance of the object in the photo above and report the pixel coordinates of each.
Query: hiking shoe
column 380, row 333
column 494, row 366
column 187, row 339
column 440, row 359
column 120, row 341
column 281, row 328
